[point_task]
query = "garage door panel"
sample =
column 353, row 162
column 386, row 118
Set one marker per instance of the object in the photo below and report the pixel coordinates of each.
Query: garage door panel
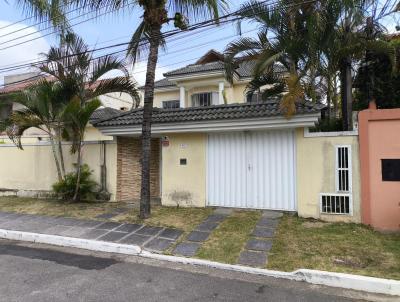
column 252, row 170
column 226, row 170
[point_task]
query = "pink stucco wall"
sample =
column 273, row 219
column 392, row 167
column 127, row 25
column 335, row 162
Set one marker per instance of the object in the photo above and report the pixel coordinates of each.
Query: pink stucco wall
column 379, row 139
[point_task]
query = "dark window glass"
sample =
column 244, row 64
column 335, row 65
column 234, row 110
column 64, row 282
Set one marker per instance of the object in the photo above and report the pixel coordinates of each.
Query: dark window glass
column 170, row 104
column 391, row 169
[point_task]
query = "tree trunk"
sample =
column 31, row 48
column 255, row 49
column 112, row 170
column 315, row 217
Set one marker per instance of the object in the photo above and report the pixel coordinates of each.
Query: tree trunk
column 146, row 125
column 346, row 93
column 329, row 96
column 335, row 96
column 60, row 153
column 57, row 162
column 78, row 173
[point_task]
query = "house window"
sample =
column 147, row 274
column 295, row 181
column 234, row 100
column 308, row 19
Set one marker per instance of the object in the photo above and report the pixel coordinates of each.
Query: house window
column 253, row 98
column 341, row 201
column 204, row 99
column 170, row 104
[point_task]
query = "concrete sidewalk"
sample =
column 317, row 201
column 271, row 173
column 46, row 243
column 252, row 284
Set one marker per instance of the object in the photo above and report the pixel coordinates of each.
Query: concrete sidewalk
column 156, row 239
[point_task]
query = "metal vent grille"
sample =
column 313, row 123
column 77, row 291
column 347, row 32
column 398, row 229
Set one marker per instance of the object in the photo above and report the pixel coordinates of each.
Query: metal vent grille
column 343, row 169
column 335, row 203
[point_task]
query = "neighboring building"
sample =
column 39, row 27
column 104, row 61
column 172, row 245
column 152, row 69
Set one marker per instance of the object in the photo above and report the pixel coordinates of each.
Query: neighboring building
column 17, row 82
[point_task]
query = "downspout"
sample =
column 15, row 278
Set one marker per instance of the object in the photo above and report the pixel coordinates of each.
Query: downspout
column 103, row 170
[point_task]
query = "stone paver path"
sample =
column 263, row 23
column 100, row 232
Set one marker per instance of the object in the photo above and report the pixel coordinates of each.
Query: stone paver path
column 256, row 250
column 156, row 239
column 201, row 233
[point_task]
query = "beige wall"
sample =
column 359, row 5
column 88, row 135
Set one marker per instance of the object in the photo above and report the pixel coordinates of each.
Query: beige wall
column 160, row 96
column 184, row 185
column 234, row 93
column 316, row 174
column 33, row 168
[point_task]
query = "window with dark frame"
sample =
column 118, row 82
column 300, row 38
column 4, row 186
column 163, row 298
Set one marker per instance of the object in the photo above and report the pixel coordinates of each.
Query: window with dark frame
column 173, row 104
column 204, row 99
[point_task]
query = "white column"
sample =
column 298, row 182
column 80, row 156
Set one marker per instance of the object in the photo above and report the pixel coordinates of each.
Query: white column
column 182, row 97
column 221, row 93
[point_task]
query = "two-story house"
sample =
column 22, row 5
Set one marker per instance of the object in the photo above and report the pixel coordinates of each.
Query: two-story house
column 202, row 84
column 214, row 147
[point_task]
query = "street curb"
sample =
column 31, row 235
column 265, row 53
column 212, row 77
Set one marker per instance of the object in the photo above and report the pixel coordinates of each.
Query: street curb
column 348, row 281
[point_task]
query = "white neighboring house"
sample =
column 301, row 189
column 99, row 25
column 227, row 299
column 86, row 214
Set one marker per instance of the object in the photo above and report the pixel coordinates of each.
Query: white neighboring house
column 112, row 103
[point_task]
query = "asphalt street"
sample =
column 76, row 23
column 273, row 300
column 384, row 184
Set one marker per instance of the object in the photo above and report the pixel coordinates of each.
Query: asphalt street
column 32, row 273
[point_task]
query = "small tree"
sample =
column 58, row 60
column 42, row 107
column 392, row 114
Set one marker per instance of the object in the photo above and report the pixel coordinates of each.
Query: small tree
column 43, row 105
column 79, row 73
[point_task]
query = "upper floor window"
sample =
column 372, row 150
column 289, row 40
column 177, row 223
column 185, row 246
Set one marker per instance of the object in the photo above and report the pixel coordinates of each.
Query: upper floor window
column 253, row 98
column 204, row 99
column 170, row 104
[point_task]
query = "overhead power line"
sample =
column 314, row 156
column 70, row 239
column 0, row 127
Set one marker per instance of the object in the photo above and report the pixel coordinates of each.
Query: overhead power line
column 165, row 35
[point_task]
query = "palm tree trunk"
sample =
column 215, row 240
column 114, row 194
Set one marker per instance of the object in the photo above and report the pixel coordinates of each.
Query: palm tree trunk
column 346, row 93
column 335, row 96
column 146, row 125
column 78, row 172
column 60, row 152
column 329, row 96
column 53, row 148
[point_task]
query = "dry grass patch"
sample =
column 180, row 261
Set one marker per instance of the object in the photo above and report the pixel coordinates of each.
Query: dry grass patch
column 185, row 219
column 84, row 210
column 337, row 247
column 228, row 240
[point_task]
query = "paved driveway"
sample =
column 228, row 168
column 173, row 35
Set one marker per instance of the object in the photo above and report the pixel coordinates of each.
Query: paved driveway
column 34, row 274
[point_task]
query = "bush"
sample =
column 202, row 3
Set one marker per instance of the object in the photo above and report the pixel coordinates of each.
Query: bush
column 87, row 187
column 328, row 125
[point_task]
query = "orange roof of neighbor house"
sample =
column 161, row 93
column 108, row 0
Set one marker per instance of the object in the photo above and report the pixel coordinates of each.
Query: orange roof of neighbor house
column 14, row 87
column 394, row 36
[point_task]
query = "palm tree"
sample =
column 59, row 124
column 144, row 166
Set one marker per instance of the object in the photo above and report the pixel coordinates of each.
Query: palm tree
column 146, row 41
column 281, row 51
column 74, row 66
column 43, row 106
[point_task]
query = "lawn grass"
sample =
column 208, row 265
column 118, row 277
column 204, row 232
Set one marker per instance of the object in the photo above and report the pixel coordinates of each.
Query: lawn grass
column 337, row 247
column 185, row 219
column 84, row 210
column 182, row 218
column 228, row 240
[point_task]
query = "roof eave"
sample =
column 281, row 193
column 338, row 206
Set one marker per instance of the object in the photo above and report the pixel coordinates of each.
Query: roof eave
column 269, row 123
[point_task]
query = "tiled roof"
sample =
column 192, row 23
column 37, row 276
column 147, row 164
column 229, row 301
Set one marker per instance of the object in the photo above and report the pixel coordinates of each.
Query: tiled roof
column 162, row 83
column 103, row 114
column 210, row 113
column 194, row 68
column 20, row 85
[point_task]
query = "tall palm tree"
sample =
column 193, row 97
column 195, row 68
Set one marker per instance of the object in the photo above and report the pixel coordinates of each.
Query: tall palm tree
column 146, row 41
column 281, row 50
column 74, row 66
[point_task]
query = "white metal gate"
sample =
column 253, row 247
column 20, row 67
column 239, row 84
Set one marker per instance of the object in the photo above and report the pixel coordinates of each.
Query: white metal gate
column 252, row 170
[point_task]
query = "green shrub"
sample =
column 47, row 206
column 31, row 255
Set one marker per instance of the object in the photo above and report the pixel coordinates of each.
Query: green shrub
column 87, row 187
column 328, row 125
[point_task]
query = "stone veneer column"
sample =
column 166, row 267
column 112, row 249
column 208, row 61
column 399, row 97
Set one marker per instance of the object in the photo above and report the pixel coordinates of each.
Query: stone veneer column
column 129, row 168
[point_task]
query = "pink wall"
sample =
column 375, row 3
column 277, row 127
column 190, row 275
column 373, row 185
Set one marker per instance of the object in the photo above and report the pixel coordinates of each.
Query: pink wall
column 379, row 132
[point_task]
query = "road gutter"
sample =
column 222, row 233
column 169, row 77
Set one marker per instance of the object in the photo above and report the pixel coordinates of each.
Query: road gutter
column 348, row 281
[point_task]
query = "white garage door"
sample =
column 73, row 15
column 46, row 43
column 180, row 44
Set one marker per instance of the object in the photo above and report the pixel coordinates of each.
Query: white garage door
column 252, row 170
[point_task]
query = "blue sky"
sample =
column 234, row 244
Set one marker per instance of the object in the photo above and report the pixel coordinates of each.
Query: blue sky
column 111, row 29
column 107, row 30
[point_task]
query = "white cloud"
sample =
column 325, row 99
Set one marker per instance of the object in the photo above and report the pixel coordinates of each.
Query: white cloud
column 139, row 72
column 21, row 54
